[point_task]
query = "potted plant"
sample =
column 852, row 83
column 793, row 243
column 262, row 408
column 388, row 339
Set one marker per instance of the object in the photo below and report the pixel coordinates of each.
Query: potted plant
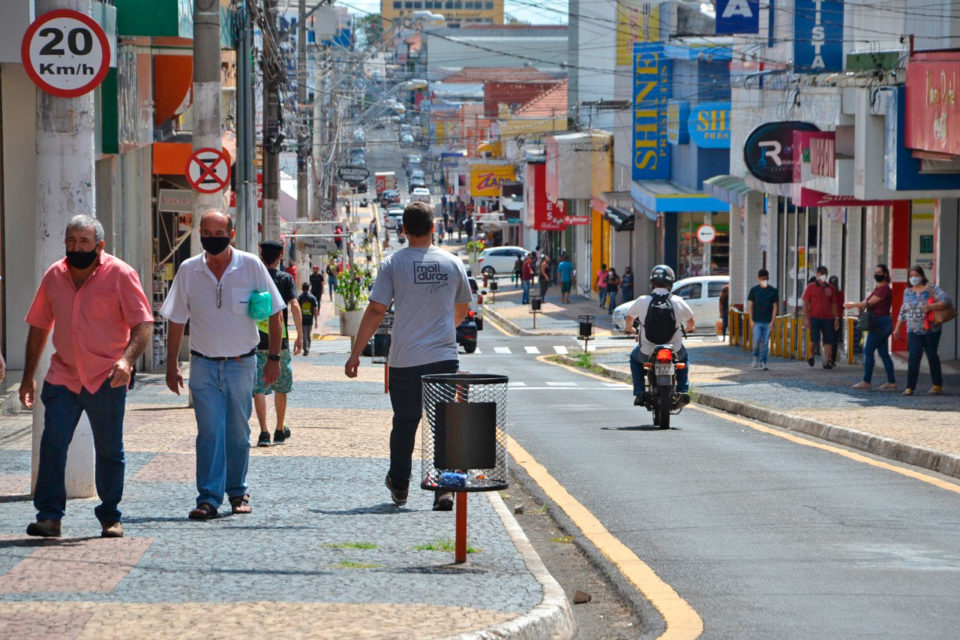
column 353, row 286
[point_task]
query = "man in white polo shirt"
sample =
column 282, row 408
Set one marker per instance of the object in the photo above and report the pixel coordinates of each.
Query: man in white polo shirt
column 213, row 291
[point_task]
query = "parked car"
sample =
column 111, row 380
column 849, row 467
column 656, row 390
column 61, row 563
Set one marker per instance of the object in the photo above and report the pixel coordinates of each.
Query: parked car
column 702, row 293
column 416, row 174
column 412, row 161
column 406, row 140
column 476, row 302
column 467, row 333
column 420, row 194
column 499, row 260
column 388, row 197
column 416, row 183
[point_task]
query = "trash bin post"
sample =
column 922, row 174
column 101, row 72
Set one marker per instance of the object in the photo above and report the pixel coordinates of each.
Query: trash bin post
column 535, row 302
column 463, row 444
column 493, row 289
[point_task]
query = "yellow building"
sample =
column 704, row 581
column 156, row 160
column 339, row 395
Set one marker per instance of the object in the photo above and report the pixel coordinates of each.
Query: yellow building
column 456, row 12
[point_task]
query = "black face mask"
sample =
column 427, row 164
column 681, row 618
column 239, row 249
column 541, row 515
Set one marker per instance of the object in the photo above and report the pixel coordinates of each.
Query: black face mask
column 879, row 277
column 81, row 259
column 214, row 245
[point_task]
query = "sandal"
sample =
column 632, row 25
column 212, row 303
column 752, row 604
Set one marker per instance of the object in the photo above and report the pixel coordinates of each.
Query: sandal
column 204, row 511
column 241, row 504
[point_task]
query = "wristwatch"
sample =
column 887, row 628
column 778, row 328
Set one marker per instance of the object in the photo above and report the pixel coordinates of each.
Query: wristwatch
column 274, row 356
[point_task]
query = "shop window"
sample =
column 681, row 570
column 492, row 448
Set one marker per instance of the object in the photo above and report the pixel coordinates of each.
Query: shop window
column 397, row 4
column 691, row 291
column 488, row 6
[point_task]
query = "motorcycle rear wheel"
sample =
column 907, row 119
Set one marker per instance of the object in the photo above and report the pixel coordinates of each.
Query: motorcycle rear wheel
column 662, row 413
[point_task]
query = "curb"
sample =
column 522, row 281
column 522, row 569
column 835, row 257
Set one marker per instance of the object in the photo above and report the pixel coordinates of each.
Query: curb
column 513, row 328
column 922, row 457
column 552, row 618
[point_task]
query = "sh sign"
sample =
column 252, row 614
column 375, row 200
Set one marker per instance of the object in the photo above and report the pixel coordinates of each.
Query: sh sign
column 65, row 53
column 738, row 16
column 818, row 36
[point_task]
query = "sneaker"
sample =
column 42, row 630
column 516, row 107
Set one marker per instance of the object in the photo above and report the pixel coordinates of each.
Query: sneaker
column 638, row 400
column 889, row 386
column 399, row 495
column 907, row 392
column 827, row 365
column 443, row 501
column 111, row 530
column 264, row 439
column 44, row 528
column 755, row 364
column 863, row 385
column 935, row 390
column 810, row 361
column 763, row 366
column 281, row 435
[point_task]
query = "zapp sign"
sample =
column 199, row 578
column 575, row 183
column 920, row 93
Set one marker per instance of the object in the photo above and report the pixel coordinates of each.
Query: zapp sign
column 485, row 179
column 65, row 53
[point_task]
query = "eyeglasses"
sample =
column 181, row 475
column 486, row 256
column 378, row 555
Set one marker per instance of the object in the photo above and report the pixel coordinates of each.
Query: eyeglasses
column 219, row 294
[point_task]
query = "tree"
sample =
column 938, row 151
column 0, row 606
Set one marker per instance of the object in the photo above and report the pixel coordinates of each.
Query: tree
column 370, row 28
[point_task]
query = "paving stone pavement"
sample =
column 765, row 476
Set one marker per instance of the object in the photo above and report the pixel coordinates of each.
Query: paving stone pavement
column 325, row 553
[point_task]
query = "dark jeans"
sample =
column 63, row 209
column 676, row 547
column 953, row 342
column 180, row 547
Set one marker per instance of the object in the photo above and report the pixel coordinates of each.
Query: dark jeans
column 406, row 397
column 640, row 374
column 877, row 341
column 919, row 344
column 305, row 329
column 62, row 409
column 611, row 300
column 544, row 285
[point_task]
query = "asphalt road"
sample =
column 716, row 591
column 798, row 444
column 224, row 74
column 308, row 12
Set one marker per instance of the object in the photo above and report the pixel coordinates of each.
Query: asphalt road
column 762, row 535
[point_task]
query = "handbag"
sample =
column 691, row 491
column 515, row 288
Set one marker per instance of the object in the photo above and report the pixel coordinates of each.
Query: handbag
column 865, row 321
column 944, row 315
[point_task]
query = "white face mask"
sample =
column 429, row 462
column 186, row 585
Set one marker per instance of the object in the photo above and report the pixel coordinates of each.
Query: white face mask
column 822, row 278
column 915, row 281
column 764, row 283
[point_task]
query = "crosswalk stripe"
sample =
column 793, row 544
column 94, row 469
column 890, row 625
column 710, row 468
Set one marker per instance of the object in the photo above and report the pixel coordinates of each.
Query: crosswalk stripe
column 501, row 349
column 561, row 384
column 560, row 350
column 532, row 350
column 517, row 384
column 477, row 350
column 613, row 384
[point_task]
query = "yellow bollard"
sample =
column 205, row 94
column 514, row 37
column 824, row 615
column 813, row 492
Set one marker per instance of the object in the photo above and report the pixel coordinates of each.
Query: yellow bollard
column 850, row 339
column 734, row 327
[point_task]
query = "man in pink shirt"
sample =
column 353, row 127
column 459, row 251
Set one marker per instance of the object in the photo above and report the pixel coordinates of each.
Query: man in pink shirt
column 101, row 323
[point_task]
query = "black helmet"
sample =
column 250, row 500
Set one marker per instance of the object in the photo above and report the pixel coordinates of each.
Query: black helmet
column 662, row 277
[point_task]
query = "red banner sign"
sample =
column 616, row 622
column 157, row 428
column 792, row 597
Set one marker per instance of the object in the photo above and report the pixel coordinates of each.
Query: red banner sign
column 933, row 107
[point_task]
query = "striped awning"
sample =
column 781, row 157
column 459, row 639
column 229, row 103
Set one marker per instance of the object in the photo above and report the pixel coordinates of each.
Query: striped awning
column 727, row 188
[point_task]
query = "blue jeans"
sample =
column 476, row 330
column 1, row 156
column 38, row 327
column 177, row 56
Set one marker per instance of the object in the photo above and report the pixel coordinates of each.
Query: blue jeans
column 877, row 341
column 62, row 409
column 761, row 340
column 603, row 296
column 611, row 301
column 919, row 344
column 526, row 292
column 406, row 397
column 222, row 400
column 639, row 373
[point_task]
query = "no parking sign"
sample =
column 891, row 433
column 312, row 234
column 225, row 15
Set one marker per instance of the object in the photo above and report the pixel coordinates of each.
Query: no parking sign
column 208, row 170
column 66, row 53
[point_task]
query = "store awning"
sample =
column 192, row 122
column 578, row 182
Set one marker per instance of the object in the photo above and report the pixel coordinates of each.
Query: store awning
column 662, row 196
column 619, row 219
column 727, row 188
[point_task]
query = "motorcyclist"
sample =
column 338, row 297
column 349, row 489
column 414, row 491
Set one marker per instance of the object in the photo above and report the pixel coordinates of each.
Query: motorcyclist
column 661, row 281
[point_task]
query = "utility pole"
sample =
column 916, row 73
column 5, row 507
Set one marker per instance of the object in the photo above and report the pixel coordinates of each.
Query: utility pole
column 272, row 136
column 246, row 177
column 206, row 100
column 65, row 187
column 302, row 120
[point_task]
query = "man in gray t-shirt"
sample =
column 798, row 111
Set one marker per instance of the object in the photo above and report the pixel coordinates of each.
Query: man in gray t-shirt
column 430, row 293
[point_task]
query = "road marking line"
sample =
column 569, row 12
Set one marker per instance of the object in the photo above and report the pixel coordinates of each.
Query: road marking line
column 614, row 384
column 560, row 350
column 561, row 384
column 531, row 350
column 516, row 384
column 840, row 451
column 681, row 620
column 496, row 325
column 501, row 349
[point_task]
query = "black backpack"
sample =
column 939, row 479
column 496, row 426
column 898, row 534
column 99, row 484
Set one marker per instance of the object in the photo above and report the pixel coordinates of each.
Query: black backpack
column 661, row 321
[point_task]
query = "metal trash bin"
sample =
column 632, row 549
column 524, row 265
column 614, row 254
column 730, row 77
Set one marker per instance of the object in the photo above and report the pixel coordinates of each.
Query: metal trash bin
column 586, row 326
column 381, row 340
column 464, row 439
column 535, row 302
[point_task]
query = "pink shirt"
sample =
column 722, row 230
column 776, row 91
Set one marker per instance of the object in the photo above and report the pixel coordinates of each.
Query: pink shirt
column 91, row 325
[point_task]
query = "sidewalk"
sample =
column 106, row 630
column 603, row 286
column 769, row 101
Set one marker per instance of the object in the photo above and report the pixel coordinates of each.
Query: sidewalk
column 325, row 553
column 553, row 318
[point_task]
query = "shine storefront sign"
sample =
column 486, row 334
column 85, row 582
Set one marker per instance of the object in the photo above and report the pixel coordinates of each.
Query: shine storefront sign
column 651, row 93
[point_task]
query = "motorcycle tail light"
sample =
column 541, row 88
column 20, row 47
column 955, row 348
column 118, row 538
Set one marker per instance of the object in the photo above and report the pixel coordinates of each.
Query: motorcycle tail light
column 681, row 365
column 470, row 314
column 664, row 355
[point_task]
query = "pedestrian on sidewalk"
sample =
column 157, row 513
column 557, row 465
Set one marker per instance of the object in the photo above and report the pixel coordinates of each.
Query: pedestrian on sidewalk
column 762, row 303
column 291, row 268
column 544, row 275
column 838, row 334
column 724, row 303
column 310, row 312
column 601, row 284
column 213, row 290
column 270, row 252
column 517, row 268
column 331, row 278
column 879, row 329
column 316, row 284
column 565, row 269
column 920, row 300
column 430, row 294
column 613, row 285
column 820, row 313
column 626, row 284
column 526, row 278
column 101, row 323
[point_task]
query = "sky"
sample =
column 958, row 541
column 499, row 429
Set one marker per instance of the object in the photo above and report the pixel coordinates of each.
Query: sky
column 522, row 12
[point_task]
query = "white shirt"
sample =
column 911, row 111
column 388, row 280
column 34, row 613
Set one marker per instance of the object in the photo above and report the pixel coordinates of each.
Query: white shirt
column 220, row 325
column 681, row 310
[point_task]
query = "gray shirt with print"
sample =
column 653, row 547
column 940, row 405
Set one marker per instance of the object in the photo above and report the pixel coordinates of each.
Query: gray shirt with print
column 423, row 285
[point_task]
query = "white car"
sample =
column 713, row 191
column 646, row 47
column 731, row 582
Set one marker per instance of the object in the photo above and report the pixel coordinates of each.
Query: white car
column 701, row 293
column 393, row 218
column 420, row 194
column 499, row 260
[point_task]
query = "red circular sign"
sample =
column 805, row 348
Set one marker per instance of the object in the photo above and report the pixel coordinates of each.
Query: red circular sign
column 66, row 53
column 208, row 170
column 706, row 234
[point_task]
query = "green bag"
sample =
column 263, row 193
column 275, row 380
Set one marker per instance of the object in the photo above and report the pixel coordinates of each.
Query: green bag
column 261, row 305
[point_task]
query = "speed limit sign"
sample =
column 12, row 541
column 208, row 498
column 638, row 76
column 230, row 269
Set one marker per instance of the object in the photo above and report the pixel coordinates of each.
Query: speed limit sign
column 66, row 53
